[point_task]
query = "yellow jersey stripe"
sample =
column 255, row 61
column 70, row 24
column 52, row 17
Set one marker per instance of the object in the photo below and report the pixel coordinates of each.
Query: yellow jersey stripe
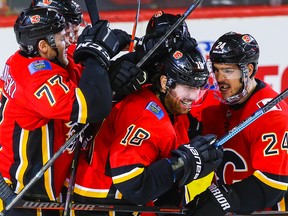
column 272, row 183
column 82, row 115
column 23, row 160
column 281, row 205
column 89, row 192
column 46, row 157
column 126, row 176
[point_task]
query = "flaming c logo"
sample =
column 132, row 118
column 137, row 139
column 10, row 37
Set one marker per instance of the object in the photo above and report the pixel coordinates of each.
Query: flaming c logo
column 177, row 55
column 158, row 14
column 35, row 19
column 246, row 38
column 47, row 2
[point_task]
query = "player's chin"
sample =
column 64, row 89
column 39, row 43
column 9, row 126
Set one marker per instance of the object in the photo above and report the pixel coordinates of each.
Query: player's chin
column 183, row 110
column 64, row 61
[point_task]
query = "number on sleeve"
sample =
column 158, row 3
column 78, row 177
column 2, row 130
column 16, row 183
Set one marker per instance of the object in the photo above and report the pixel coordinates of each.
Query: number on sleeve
column 270, row 150
column 135, row 136
column 45, row 89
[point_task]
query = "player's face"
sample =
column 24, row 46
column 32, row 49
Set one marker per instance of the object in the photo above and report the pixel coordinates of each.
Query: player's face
column 62, row 45
column 179, row 100
column 72, row 32
column 228, row 77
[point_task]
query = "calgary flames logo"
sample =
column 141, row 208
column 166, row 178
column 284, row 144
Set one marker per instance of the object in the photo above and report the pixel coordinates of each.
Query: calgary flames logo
column 247, row 38
column 177, row 55
column 47, row 2
column 158, row 14
column 35, row 19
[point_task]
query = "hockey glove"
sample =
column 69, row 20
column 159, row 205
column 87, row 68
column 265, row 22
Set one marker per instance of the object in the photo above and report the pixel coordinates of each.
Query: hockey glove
column 216, row 201
column 124, row 39
column 199, row 158
column 125, row 78
column 97, row 41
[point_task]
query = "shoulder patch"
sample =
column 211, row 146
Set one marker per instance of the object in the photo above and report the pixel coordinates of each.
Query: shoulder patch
column 39, row 65
column 155, row 109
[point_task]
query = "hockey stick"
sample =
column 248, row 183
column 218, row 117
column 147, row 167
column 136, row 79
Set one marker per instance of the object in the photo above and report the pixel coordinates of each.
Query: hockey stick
column 191, row 8
column 131, row 47
column 93, row 129
column 251, row 118
column 70, row 189
column 5, row 195
column 105, row 206
column 93, row 12
column 92, row 9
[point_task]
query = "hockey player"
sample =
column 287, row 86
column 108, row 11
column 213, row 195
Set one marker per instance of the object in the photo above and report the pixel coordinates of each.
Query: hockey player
column 157, row 26
column 74, row 22
column 132, row 157
column 40, row 100
column 71, row 12
column 254, row 170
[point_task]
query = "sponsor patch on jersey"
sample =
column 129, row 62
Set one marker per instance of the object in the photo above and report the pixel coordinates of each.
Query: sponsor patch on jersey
column 39, row 65
column 263, row 102
column 155, row 109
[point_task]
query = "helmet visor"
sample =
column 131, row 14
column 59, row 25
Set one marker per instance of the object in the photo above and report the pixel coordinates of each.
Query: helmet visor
column 187, row 95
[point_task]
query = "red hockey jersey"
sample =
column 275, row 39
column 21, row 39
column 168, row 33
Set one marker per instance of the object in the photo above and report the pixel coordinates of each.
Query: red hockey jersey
column 260, row 147
column 37, row 102
column 137, row 131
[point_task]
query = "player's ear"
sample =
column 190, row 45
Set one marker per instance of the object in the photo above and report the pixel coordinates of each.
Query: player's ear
column 163, row 82
column 250, row 69
column 43, row 47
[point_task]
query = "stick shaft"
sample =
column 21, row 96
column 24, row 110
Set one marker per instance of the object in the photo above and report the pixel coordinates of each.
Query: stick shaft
column 252, row 118
column 92, row 9
column 6, row 194
column 135, row 26
column 40, row 173
column 70, row 189
column 105, row 206
column 173, row 27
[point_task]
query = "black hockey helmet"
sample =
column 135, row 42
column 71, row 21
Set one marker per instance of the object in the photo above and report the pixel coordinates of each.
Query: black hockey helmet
column 186, row 68
column 68, row 8
column 162, row 21
column 35, row 24
column 235, row 48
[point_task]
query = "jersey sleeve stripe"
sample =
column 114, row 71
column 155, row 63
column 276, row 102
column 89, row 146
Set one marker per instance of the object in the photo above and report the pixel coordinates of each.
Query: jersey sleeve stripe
column 89, row 192
column 82, row 115
column 268, row 181
column 126, row 176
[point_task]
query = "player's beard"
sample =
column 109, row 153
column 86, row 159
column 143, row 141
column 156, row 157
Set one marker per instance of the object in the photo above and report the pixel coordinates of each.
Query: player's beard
column 176, row 106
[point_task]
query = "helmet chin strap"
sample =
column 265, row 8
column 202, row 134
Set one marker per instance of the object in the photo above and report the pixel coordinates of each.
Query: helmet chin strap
column 240, row 97
column 51, row 41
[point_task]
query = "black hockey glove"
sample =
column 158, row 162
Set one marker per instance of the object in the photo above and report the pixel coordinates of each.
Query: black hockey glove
column 199, row 158
column 125, row 78
column 97, row 41
column 124, row 39
column 216, row 201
